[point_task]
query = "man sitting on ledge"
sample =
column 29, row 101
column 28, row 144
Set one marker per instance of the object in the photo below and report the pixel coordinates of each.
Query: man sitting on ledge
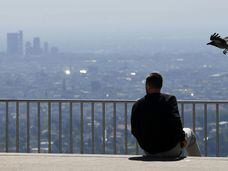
column 156, row 124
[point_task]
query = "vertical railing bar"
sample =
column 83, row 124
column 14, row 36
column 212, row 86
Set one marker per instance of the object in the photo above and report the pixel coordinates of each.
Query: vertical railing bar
column 205, row 128
column 49, row 127
column 17, row 126
column 92, row 126
column 38, row 126
column 60, row 127
column 137, row 148
column 82, row 129
column 182, row 113
column 125, row 128
column 217, row 131
column 28, row 127
column 6, row 126
column 103, row 127
column 71, row 129
column 194, row 117
column 114, row 127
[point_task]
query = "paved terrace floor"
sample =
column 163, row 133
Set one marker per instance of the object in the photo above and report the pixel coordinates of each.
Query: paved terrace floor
column 11, row 161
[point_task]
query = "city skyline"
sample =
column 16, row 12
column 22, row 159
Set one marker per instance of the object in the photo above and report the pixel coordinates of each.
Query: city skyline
column 75, row 25
column 123, row 43
column 16, row 45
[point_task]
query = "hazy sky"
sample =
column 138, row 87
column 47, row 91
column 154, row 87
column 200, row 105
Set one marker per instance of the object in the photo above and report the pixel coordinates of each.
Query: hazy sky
column 71, row 20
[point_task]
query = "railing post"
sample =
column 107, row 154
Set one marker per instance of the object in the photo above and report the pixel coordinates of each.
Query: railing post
column 194, row 117
column 114, row 128
column 82, row 129
column 205, row 128
column 17, row 126
column 217, row 131
column 38, row 126
column 71, row 129
column 6, row 126
column 125, row 128
column 28, row 127
column 60, row 127
column 137, row 148
column 92, row 126
column 49, row 127
column 103, row 127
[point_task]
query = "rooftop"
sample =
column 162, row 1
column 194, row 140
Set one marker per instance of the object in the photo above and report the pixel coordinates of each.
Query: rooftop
column 19, row 161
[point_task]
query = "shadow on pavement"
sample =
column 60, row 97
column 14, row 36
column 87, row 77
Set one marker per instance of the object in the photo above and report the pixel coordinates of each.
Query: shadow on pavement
column 148, row 158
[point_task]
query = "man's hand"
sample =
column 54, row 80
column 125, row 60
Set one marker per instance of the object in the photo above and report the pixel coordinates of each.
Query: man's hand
column 183, row 144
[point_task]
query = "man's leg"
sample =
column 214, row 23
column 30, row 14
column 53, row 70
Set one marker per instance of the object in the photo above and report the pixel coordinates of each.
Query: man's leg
column 192, row 146
column 175, row 152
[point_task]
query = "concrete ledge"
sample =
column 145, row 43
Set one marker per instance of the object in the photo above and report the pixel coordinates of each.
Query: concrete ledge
column 23, row 161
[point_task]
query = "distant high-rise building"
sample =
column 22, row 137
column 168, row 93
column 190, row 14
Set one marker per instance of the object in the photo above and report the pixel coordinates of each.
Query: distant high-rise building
column 20, row 42
column 54, row 50
column 15, row 43
column 46, row 47
column 28, row 48
column 36, row 42
column 36, row 46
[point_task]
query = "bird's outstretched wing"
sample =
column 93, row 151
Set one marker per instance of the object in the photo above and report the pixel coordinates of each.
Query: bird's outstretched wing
column 226, row 39
column 217, row 39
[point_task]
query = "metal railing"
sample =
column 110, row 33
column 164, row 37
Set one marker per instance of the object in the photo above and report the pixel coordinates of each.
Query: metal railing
column 112, row 118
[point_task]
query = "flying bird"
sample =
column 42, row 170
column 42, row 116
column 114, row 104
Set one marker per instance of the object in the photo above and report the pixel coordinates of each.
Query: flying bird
column 219, row 42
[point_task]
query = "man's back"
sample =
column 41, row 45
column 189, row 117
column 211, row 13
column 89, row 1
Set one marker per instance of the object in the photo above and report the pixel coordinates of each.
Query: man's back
column 156, row 123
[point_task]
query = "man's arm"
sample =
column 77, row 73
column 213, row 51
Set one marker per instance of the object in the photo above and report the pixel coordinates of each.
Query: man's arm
column 133, row 120
column 176, row 119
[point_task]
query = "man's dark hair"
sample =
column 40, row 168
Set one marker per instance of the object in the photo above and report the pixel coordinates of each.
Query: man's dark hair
column 154, row 80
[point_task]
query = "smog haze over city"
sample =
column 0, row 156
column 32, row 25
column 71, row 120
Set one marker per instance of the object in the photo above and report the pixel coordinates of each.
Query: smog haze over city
column 78, row 25
column 170, row 36
column 100, row 49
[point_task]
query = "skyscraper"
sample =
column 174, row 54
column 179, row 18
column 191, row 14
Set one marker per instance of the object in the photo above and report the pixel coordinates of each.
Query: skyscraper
column 20, row 34
column 46, row 47
column 28, row 48
column 54, row 50
column 15, row 43
column 36, row 46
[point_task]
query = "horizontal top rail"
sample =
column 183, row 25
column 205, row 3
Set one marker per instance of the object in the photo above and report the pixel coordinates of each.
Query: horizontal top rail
column 69, row 100
column 108, row 101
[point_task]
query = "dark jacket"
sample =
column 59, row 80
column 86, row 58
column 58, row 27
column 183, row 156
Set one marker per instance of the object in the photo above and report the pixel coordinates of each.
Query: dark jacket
column 156, row 123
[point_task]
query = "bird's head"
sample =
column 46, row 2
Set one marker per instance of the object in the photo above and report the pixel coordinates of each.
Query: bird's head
column 210, row 43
